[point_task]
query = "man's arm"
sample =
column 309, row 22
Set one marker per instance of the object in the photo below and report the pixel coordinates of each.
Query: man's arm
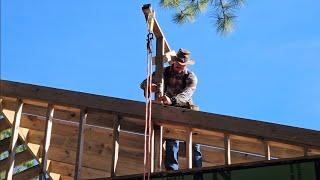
column 143, row 85
column 185, row 96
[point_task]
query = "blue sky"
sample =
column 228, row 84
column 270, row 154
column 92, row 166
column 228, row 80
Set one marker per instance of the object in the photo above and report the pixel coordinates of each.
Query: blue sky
column 268, row 69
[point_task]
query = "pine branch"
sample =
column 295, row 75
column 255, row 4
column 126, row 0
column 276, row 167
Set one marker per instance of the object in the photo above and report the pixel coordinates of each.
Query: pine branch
column 188, row 10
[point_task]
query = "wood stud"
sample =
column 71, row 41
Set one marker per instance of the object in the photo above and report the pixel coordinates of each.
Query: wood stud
column 189, row 148
column 83, row 118
column 267, row 151
column 47, row 138
column 14, row 138
column 116, row 143
column 227, row 148
column 158, row 140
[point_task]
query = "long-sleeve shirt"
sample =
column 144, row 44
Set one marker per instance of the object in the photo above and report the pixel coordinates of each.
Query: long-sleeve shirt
column 179, row 87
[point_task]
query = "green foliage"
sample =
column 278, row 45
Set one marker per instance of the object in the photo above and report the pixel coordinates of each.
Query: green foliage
column 188, row 10
column 5, row 134
column 25, row 165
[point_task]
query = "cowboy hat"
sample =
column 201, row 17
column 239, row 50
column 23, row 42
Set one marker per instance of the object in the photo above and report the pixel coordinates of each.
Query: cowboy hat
column 183, row 57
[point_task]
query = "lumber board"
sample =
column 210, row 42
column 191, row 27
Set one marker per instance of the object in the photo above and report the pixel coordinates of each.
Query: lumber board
column 4, row 124
column 189, row 148
column 19, row 158
column 158, row 149
column 5, row 143
column 156, row 27
column 115, row 145
column 65, row 169
column 96, row 118
column 165, row 114
column 91, row 146
column 129, row 143
column 13, row 142
column 281, row 150
column 159, row 67
column 238, row 143
column 78, row 165
column 47, row 138
column 28, row 173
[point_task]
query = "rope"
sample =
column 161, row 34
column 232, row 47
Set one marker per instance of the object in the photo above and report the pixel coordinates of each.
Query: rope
column 148, row 124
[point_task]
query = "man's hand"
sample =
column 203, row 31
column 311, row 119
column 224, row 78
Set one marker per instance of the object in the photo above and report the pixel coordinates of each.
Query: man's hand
column 153, row 89
column 166, row 100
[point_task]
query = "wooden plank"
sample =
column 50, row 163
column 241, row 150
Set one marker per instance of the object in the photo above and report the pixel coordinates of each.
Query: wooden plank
column 83, row 117
column 4, row 125
column 115, row 147
column 5, row 144
column 159, row 67
column 93, row 145
column 28, row 173
column 165, row 114
column 65, row 169
column 14, row 138
column 281, row 150
column 129, row 162
column 189, row 149
column 156, row 27
column 227, row 149
column 158, row 138
column 103, row 119
column 47, row 138
column 19, row 158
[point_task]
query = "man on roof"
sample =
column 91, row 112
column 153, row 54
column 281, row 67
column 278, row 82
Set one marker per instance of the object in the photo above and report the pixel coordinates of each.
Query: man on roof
column 179, row 86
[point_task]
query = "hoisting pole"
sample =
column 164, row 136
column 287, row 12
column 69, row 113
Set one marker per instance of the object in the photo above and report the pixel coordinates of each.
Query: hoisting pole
column 155, row 131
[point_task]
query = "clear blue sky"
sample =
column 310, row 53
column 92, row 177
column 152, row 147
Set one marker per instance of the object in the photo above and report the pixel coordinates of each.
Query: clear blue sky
column 268, row 69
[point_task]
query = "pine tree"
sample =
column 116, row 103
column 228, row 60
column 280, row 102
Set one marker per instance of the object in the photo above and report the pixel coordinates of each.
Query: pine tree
column 223, row 10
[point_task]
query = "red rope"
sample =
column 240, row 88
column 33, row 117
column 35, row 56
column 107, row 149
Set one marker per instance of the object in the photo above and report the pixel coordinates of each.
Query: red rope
column 148, row 124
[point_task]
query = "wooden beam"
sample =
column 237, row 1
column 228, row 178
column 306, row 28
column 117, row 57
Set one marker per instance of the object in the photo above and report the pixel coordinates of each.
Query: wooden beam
column 158, row 138
column 147, row 10
column 267, row 150
column 14, row 138
column 19, row 158
column 159, row 67
column 83, row 117
column 166, row 114
column 47, row 138
column 115, row 147
column 5, row 144
column 4, row 124
column 65, row 169
column 28, row 173
column 96, row 118
column 189, row 148
column 227, row 149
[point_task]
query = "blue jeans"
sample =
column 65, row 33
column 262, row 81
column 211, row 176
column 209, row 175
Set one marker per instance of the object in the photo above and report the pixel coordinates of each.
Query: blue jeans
column 172, row 154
